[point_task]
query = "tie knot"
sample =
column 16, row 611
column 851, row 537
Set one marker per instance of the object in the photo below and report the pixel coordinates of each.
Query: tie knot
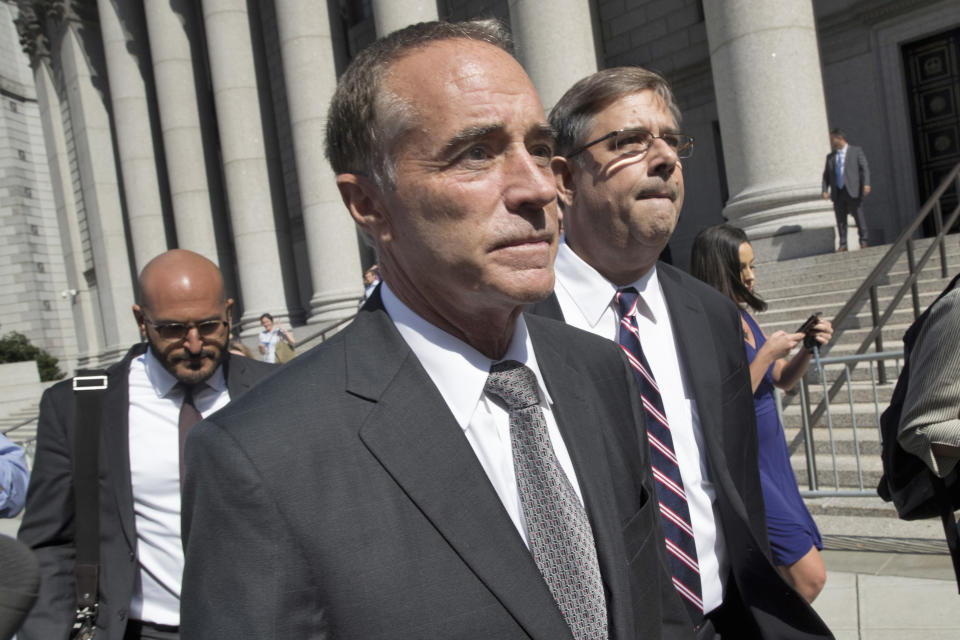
column 627, row 301
column 188, row 391
column 513, row 383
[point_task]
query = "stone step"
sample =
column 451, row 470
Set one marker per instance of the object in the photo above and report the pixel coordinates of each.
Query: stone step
column 840, row 418
column 867, row 441
column 846, row 279
column 788, row 318
column 863, row 392
column 847, row 474
column 838, row 292
column 864, row 259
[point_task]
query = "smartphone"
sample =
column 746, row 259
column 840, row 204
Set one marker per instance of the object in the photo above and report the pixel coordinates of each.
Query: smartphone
column 808, row 325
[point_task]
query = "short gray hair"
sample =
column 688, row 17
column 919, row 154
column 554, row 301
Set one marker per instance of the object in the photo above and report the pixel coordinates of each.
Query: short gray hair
column 365, row 118
column 572, row 116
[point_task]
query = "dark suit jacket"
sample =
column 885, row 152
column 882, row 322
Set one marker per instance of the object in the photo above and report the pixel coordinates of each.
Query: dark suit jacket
column 340, row 499
column 708, row 331
column 48, row 522
column 856, row 173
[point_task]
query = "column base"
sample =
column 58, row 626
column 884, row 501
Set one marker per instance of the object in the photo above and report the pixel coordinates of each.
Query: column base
column 332, row 308
column 784, row 223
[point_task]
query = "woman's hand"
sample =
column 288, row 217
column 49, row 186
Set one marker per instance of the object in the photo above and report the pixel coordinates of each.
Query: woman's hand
column 781, row 343
column 824, row 332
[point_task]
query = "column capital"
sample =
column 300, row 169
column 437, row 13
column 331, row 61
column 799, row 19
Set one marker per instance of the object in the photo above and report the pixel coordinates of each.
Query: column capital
column 40, row 21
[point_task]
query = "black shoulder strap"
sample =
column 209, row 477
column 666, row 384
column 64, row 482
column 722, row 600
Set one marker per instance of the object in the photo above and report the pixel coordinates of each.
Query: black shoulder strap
column 89, row 387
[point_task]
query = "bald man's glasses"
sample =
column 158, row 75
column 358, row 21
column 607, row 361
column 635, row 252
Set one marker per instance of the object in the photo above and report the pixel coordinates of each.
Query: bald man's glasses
column 636, row 142
column 179, row 331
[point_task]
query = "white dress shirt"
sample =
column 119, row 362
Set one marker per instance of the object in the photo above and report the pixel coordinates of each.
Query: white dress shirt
column 154, row 418
column 460, row 372
column 587, row 301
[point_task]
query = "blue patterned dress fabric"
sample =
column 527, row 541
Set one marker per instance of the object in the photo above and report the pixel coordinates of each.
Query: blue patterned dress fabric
column 558, row 531
column 791, row 529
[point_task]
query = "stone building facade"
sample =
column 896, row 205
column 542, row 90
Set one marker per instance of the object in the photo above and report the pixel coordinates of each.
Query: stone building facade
column 199, row 124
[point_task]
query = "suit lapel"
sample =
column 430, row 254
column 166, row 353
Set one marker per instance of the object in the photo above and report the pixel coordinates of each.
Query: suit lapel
column 115, row 434
column 574, row 419
column 414, row 436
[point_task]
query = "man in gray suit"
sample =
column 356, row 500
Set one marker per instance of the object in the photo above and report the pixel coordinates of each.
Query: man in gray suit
column 444, row 467
column 846, row 180
column 184, row 316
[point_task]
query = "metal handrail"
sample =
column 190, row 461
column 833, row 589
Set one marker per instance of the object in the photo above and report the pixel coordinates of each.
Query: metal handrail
column 807, row 431
column 903, row 243
column 20, row 424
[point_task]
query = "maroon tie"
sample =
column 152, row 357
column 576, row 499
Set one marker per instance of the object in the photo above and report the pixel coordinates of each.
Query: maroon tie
column 189, row 416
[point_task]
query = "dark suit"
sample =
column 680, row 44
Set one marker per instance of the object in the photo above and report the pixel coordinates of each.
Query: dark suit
column 342, row 500
column 707, row 328
column 48, row 523
column 849, row 199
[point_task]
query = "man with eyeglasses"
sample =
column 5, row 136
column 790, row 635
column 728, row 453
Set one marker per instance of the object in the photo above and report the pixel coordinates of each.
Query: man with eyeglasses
column 162, row 387
column 619, row 176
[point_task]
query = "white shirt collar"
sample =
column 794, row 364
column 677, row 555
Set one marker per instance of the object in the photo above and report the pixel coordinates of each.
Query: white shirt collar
column 458, row 370
column 593, row 293
column 163, row 381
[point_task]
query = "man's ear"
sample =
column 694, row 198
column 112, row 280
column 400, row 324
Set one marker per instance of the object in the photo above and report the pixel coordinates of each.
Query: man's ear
column 563, row 176
column 141, row 322
column 228, row 308
column 364, row 200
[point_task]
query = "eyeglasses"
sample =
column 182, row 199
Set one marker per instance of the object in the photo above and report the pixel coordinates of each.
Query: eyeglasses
column 635, row 142
column 179, row 331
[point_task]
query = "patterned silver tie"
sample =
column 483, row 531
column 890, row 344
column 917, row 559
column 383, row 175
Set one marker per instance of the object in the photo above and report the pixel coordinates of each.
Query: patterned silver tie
column 560, row 537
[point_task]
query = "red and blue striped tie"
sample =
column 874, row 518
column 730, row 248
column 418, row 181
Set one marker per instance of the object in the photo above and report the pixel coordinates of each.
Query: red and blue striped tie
column 674, row 511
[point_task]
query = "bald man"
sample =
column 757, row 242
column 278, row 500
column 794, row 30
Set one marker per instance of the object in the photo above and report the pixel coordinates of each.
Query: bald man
column 181, row 371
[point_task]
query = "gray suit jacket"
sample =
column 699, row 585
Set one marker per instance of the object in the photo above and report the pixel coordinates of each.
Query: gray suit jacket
column 341, row 499
column 708, row 331
column 856, row 173
column 48, row 522
column 931, row 408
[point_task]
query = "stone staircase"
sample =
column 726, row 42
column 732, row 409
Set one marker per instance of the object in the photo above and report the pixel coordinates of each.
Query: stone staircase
column 844, row 455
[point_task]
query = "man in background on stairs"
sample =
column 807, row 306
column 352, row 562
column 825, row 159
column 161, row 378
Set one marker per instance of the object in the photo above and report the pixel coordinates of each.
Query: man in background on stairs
column 846, row 181
column 162, row 387
column 620, row 182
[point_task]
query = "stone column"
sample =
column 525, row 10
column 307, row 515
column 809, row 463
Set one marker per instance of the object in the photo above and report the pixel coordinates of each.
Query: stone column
column 766, row 74
column 110, row 278
column 540, row 35
column 308, row 64
column 239, row 121
column 390, row 15
column 170, row 27
column 125, row 48
column 79, row 300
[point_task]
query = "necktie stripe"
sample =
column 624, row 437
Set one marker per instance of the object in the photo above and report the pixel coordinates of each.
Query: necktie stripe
column 639, row 368
column 674, row 511
column 662, row 448
column 669, row 484
column 682, row 557
column 671, row 515
column 687, row 593
column 655, row 412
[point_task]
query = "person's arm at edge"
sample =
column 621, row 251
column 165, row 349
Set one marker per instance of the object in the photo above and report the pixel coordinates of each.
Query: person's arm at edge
column 14, row 477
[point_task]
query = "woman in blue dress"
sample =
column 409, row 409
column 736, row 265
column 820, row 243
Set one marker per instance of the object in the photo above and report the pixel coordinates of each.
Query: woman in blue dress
column 722, row 257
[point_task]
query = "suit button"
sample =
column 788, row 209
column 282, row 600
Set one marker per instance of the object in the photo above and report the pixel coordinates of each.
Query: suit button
column 122, row 614
column 133, row 556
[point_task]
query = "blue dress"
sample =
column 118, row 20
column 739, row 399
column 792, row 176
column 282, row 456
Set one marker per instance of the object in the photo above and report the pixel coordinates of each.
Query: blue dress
column 791, row 529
